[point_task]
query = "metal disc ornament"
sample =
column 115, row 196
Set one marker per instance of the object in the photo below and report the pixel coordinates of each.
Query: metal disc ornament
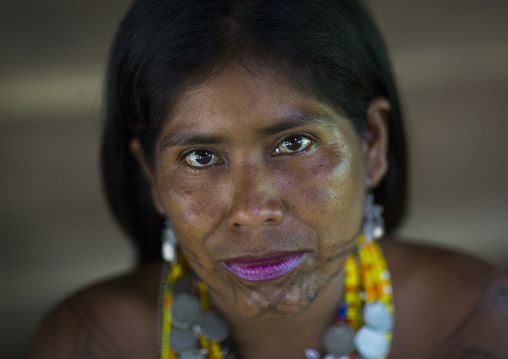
column 182, row 339
column 371, row 343
column 185, row 310
column 377, row 316
column 183, row 284
column 213, row 326
column 191, row 354
column 339, row 340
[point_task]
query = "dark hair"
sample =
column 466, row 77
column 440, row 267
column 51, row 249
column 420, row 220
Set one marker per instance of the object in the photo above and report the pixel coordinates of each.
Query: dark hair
column 331, row 49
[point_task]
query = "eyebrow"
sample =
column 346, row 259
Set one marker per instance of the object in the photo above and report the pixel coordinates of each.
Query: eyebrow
column 296, row 120
column 188, row 138
column 191, row 138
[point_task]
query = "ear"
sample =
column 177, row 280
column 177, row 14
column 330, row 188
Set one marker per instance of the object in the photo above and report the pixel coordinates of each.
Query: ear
column 376, row 138
column 139, row 155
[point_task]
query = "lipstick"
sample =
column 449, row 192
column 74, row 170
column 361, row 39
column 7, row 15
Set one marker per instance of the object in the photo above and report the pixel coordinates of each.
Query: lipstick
column 259, row 269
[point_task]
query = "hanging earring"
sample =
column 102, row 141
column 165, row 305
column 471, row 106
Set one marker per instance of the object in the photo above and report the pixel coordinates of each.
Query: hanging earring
column 169, row 243
column 373, row 223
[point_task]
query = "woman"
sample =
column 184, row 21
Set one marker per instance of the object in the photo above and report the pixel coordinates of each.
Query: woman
column 256, row 134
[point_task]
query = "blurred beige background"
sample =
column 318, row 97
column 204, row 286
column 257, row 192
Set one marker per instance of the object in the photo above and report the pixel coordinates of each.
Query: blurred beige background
column 451, row 60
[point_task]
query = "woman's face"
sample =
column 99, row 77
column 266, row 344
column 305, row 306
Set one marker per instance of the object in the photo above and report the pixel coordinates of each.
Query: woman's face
column 264, row 188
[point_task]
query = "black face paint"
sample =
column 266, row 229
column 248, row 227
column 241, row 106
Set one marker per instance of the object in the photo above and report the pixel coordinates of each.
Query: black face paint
column 341, row 249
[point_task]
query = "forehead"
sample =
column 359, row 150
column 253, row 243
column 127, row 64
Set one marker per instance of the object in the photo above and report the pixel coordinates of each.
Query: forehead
column 237, row 90
column 238, row 99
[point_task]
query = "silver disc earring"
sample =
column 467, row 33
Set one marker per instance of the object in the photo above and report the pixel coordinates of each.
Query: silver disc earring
column 373, row 223
column 169, row 244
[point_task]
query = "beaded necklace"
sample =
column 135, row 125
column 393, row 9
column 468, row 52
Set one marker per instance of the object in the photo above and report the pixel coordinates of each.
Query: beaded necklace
column 362, row 329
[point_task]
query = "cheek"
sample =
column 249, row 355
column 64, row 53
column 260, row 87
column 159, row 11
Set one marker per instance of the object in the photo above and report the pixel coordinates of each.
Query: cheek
column 193, row 207
column 330, row 194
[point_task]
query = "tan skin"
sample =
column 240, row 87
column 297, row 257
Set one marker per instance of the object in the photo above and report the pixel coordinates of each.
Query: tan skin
column 247, row 165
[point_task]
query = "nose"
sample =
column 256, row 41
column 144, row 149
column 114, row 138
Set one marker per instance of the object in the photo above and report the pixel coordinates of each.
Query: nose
column 256, row 202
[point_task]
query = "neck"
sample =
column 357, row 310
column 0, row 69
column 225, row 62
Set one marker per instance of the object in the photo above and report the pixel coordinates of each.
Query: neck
column 283, row 338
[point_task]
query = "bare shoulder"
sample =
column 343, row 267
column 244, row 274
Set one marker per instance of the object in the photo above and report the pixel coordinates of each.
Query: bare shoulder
column 112, row 319
column 448, row 304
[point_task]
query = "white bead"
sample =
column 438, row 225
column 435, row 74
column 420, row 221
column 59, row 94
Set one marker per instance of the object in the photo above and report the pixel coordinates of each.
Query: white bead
column 312, row 354
column 385, row 275
column 378, row 232
column 387, row 289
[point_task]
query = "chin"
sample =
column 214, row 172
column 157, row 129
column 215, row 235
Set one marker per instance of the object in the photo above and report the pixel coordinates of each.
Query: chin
column 283, row 298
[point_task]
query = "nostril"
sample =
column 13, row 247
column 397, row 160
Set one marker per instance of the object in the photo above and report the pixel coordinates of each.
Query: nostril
column 246, row 216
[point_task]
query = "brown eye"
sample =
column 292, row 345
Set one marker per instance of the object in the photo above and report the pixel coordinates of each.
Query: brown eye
column 201, row 158
column 292, row 144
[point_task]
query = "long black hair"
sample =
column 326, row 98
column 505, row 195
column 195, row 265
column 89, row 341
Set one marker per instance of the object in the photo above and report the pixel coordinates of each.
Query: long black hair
column 331, row 49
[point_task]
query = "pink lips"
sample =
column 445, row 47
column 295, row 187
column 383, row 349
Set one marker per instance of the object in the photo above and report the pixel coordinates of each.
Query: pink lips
column 258, row 269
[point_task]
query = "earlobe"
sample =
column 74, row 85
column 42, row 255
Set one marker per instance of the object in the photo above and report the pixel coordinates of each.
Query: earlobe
column 376, row 139
column 139, row 155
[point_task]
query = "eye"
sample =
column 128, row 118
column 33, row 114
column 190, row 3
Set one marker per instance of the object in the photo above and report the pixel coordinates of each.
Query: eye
column 292, row 144
column 201, row 158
